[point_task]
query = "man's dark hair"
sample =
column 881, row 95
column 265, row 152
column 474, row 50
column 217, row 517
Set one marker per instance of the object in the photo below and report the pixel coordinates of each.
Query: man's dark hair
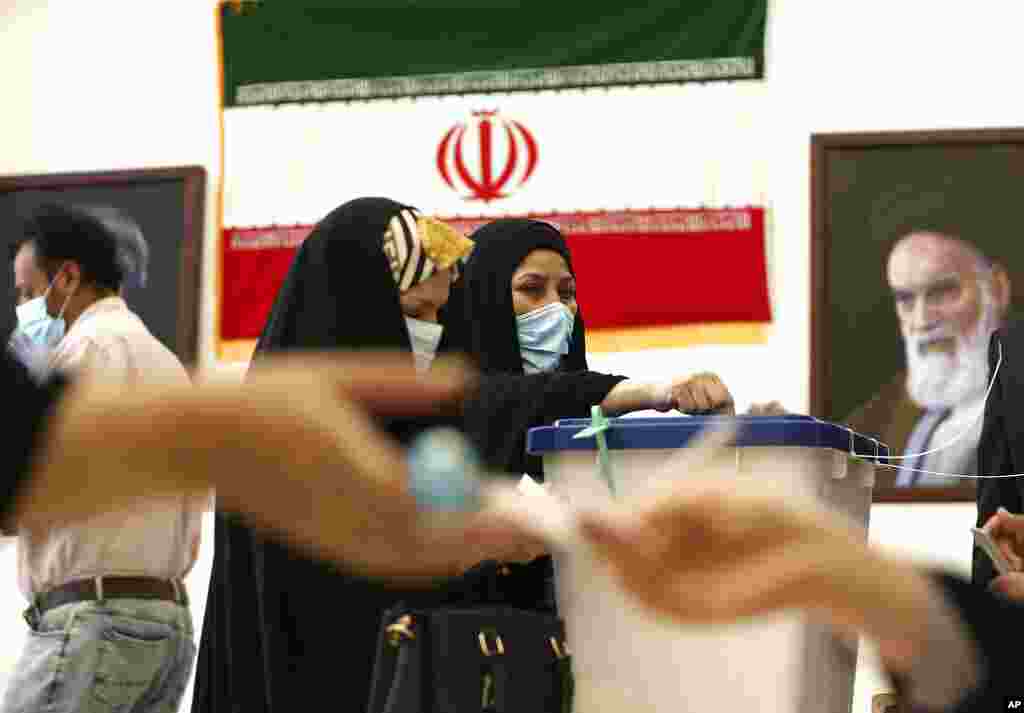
column 68, row 233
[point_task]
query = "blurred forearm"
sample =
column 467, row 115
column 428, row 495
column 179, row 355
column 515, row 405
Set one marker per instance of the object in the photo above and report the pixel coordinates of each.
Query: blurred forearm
column 628, row 396
column 264, row 452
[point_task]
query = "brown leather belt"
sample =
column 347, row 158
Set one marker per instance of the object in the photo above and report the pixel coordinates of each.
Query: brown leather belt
column 102, row 588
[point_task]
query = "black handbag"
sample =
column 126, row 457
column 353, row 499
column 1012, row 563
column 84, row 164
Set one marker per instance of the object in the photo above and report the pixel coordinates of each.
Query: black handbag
column 475, row 657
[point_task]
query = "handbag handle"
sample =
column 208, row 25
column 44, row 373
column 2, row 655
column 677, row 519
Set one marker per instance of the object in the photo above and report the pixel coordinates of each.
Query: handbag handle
column 400, row 629
column 563, row 664
column 489, row 683
column 485, row 648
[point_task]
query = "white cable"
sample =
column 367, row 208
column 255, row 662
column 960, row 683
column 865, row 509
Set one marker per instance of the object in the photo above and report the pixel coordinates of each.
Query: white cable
column 948, row 475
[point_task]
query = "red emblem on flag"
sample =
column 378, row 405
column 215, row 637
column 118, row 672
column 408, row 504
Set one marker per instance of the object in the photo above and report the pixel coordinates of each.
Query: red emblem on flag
column 506, row 156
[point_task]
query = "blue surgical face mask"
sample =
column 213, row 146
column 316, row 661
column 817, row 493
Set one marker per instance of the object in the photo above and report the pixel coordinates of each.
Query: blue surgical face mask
column 35, row 322
column 544, row 336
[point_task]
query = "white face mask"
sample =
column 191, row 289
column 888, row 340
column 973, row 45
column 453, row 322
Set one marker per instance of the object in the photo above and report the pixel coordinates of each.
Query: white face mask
column 544, row 336
column 944, row 380
column 425, row 337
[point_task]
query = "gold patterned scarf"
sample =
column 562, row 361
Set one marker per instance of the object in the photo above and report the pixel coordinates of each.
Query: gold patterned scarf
column 418, row 246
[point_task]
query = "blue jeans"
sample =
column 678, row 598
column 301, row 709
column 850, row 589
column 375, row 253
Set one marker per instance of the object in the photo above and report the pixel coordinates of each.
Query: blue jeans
column 121, row 656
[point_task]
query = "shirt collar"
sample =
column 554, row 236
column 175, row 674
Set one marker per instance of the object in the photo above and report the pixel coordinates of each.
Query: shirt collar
column 107, row 304
column 101, row 306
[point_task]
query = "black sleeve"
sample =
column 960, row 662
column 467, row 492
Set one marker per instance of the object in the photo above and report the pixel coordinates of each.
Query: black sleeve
column 995, row 457
column 29, row 403
column 996, row 625
column 506, row 406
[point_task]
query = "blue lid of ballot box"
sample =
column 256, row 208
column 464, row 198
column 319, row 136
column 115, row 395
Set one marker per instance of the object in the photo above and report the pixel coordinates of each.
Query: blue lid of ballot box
column 676, row 432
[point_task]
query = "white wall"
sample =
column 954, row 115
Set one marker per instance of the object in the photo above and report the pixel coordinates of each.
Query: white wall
column 103, row 85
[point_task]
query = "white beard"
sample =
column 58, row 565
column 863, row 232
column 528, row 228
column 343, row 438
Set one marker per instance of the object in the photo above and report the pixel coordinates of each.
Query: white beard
column 941, row 380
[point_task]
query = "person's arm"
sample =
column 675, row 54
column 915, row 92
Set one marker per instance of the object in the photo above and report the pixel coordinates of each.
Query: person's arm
column 630, row 395
column 499, row 411
column 1007, row 530
column 994, row 458
column 289, row 449
column 994, row 622
column 697, row 394
column 30, row 402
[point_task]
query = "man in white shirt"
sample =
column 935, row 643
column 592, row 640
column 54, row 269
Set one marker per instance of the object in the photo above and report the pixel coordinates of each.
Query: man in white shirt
column 109, row 614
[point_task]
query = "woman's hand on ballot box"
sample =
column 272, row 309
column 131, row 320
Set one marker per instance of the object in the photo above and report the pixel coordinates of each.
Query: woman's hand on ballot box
column 695, row 394
column 699, row 394
column 772, row 408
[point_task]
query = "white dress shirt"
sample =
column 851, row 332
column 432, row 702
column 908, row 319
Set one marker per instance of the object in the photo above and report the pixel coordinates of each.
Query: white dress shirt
column 155, row 538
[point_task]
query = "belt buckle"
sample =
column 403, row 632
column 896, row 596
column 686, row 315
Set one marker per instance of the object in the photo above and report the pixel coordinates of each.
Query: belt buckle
column 33, row 615
column 181, row 593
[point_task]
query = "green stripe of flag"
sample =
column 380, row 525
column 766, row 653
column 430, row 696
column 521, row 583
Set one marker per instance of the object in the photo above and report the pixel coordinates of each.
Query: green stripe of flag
column 293, row 51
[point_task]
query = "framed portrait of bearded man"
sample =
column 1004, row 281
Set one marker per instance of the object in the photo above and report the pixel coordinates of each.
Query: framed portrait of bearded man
column 917, row 257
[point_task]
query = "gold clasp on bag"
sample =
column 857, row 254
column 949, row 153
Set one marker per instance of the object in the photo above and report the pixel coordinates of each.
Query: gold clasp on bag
column 485, row 647
column 561, row 651
column 401, row 629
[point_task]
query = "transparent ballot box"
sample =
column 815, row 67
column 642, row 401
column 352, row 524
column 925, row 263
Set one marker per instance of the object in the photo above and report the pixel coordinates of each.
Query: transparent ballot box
column 627, row 659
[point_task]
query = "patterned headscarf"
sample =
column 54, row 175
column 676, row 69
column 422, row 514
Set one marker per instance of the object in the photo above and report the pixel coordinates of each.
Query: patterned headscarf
column 417, row 246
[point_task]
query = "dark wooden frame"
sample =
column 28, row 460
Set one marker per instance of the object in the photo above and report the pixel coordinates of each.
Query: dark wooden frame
column 189, row 281
column 821, row 144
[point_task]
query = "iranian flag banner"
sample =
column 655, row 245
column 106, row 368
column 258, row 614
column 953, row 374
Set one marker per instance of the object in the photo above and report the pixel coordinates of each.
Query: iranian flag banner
column 660, row 186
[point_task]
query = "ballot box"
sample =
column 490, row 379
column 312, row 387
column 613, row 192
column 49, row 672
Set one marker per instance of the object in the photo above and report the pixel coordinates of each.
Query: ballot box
column 626, row 659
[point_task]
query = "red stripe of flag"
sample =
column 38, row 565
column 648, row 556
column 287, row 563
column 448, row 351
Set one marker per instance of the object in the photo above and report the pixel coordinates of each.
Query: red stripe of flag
column 635, row 268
